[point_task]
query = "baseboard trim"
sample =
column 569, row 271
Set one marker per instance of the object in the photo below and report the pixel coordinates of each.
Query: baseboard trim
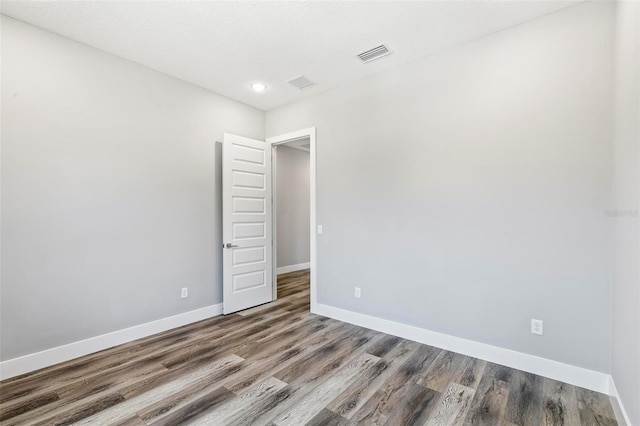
column 618, row 408
column 578, row 376
column 293, row 268
column 24, row 364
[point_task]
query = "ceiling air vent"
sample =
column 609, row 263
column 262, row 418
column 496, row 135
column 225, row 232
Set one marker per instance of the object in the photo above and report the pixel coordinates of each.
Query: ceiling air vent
column 301, row 82
column 373, row 54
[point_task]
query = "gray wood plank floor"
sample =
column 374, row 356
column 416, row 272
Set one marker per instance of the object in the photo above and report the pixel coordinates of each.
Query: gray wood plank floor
column 278, row 364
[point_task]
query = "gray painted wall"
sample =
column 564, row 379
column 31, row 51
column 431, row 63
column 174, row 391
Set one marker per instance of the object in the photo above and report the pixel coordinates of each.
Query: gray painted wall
column 626, row 197
column 110, row 191
column 292, row 192
column 465, row 193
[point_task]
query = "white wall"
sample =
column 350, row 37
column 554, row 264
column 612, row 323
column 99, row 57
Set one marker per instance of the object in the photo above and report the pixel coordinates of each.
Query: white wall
column 626, row 204
column 465, row 193
column 292, row 192
column 110, row 191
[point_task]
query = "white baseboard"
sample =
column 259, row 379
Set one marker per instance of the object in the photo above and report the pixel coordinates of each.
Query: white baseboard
column 293, row 268
column 616, row 403
column 577, row 376
column 24, row 364
column 589, row 379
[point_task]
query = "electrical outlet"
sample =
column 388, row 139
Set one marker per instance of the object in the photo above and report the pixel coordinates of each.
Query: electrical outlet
column 358, row 292
column 537, row 326
column 185, row 292
column 319, row 229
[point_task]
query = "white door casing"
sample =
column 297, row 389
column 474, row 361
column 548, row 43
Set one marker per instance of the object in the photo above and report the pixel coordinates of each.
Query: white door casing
column 288, row 137
column 246, row 223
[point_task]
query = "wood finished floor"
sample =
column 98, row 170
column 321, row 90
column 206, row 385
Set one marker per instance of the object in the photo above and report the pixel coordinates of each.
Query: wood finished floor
column 279, row 364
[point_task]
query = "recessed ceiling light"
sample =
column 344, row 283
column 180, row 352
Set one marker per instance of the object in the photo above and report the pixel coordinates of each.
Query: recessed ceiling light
column 258, row 87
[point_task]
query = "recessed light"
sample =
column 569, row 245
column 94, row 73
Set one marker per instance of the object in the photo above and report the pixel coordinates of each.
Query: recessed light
column 258, row 87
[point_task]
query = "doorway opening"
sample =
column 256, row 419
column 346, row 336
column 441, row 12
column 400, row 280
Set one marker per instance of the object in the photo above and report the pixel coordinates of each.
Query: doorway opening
column 294, row 220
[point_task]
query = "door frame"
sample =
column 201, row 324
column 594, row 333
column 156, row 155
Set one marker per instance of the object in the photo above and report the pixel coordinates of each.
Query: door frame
column 273, row 142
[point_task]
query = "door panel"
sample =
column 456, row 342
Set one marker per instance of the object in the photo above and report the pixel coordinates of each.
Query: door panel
column 246, row 223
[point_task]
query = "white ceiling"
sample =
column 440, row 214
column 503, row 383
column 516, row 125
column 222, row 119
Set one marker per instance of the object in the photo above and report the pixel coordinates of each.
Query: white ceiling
column 226, row 46
column 301, row 144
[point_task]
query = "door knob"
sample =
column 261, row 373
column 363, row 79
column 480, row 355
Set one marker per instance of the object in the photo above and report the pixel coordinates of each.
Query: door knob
column 229, row 245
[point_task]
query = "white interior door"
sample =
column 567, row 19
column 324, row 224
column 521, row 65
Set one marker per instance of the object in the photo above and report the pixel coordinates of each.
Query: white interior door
column 246, row 223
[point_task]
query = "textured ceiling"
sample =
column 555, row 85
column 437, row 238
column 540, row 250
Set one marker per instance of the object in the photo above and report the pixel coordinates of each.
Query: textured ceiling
column 225, row 46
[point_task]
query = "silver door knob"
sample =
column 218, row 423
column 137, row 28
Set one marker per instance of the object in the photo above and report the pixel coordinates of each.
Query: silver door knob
column 229, row 245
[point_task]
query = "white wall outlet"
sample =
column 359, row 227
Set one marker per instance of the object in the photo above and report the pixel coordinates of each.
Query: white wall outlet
column 185, row 292
column 537, row 326
column 357, row 294
column 319, row 229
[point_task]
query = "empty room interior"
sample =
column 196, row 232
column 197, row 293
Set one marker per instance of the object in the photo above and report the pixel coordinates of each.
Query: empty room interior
column 320, row 212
